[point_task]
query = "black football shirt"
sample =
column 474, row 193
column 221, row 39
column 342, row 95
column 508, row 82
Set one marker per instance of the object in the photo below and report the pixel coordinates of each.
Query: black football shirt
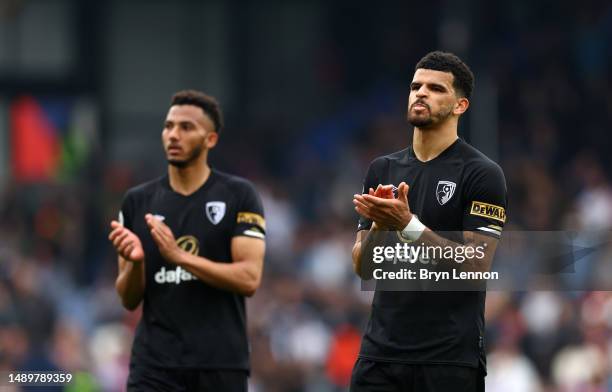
column 459, row 190
column 187, row 323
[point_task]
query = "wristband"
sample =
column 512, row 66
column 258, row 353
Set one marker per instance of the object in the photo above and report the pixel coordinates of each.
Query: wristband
column 413, row 229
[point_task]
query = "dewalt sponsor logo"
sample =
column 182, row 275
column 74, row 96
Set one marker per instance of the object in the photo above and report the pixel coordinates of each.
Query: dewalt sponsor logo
column 488, row 211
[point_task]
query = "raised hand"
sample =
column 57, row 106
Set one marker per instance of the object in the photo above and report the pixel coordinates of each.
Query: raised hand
column 164, row 238
column 391, row 213
column 126, row 243
column 382, row 191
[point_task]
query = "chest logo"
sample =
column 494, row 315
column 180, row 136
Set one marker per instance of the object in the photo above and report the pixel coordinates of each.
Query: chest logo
column 189, row 244
column 444, row 191
column 215, row 210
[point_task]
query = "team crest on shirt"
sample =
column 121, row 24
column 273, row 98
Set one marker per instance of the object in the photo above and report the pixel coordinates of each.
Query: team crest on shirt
column 444, row 191
column 394, row 190
column 215, row 210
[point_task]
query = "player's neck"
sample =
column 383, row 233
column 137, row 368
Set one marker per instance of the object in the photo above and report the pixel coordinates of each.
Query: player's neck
column 186, row 180
column 429, row 143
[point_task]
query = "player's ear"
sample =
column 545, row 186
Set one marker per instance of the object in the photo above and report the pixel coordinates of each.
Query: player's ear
column 211, row 139
column 461, row 106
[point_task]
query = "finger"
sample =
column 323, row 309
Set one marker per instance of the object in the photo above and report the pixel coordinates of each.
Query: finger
column 162, row 229
column 361, row 199
column 131, row 253
column 123, row 246
column 373, row 212
column 122, row 239
column 128, row 251
column 115, row 233
column 402, row 191
column 154, row 234
column 380, row 190
column 150, row 218
column 154, row 224
column 371, row 191
column 159, row 240
column 163, row 235
column 363, row 212
column 151, row 222
column 361, row 205
column 115, row 224
column 375, row 201
column 119, row 239
column 122, row 250
column 165, row 230
column 387, row 191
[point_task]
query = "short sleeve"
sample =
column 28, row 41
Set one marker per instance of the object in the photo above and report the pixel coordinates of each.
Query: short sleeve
column 250, row 219
column 126, row 214
column 486, row 201
column 371, row 180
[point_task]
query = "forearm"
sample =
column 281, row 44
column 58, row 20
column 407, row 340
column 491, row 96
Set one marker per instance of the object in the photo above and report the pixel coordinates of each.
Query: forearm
column 240, row 277
column 474, row 254
column 363, row 263
column 130, row 284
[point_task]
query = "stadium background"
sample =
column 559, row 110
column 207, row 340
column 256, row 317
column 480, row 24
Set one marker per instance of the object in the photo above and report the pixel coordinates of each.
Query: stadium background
column 312, row 92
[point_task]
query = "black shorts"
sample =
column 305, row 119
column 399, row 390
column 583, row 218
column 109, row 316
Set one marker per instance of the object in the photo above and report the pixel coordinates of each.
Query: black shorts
column 147, row 379
column 372, row 376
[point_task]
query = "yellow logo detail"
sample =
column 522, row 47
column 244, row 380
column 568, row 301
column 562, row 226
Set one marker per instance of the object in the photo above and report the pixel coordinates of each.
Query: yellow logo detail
column 488, row 211
column 251, row 218
column 189, row 244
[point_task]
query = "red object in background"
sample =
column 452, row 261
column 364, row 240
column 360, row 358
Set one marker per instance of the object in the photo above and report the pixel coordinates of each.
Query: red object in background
column 35, row 145
column 343, row 354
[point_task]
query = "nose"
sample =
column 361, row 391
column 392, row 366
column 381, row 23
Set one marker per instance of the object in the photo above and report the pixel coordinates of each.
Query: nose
column 421, row 92
column 173, row 133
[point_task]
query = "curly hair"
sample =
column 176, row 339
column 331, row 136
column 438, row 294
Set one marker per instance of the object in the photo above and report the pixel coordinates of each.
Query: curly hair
column 463, row 81
column 208, row 104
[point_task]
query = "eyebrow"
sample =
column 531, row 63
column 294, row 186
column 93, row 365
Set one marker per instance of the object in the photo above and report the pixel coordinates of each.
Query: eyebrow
column 180, row 122
column 429, row 84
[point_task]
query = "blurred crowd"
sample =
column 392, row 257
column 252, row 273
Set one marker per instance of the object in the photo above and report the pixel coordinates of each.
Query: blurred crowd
column 59, row 310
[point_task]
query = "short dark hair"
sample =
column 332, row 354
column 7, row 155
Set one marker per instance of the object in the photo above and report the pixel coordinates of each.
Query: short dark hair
column 463, row 81
column 208, row 104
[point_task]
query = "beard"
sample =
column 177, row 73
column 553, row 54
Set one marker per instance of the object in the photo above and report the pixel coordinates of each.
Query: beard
column 429, row 119
column 181, row 163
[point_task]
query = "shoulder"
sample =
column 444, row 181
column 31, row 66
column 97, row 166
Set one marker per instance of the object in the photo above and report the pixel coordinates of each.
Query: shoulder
column 234, row 183
column 395, row 156
column 383, row 162
column 145, row 189
column 477, row 162
column 481, row 172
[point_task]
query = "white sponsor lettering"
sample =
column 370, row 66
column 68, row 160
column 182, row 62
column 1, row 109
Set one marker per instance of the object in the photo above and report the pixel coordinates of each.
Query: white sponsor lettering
column 175, row 276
